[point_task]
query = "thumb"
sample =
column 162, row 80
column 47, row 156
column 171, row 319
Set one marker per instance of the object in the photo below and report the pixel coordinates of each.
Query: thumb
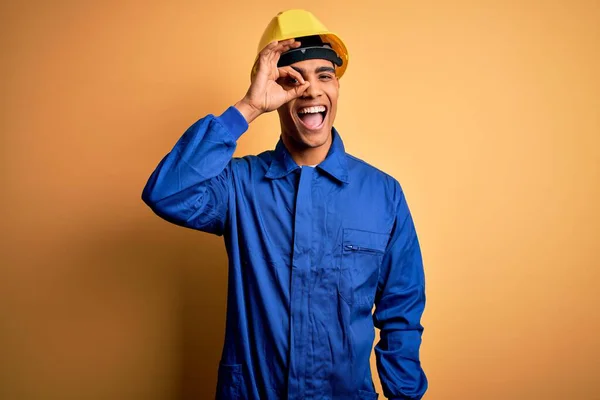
column 297, row 91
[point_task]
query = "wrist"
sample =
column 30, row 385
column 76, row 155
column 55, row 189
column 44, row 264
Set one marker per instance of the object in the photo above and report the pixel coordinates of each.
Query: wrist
column 249, row 112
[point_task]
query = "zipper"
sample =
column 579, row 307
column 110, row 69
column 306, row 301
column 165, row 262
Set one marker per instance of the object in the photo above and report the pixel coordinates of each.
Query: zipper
column 352, row 247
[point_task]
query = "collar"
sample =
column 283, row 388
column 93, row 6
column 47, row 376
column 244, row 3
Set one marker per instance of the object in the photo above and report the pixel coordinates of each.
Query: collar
column 335, row 163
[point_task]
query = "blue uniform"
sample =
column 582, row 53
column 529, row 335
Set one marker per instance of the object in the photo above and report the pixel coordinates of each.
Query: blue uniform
column 311, row 251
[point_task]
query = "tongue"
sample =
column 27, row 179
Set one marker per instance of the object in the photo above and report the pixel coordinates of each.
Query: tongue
column 312, row 120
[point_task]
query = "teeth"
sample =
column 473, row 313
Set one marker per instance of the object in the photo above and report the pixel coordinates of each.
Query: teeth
column 312, row 110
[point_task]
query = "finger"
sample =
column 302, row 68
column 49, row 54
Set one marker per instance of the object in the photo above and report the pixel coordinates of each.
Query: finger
column 296, row 92
column 272, row 45
column 287, row 42
column 279, row 47
column 269, row 57
column 264, row 53
column 290, row 72
column 286, row 46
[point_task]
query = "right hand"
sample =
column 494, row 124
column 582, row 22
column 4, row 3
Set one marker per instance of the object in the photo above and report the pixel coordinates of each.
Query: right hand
column 265, row 93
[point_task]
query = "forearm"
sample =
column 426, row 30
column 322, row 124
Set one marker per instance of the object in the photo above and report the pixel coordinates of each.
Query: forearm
column 195, row 165
column 397, row 353
column 400, row 303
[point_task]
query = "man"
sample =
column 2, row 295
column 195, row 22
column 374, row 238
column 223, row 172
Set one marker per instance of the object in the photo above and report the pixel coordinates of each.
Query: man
column 315, row 237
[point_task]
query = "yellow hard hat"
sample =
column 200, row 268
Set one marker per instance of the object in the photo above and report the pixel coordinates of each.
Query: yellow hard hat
column 297, row 24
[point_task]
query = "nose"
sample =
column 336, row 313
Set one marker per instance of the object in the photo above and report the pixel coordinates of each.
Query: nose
column 314, row 90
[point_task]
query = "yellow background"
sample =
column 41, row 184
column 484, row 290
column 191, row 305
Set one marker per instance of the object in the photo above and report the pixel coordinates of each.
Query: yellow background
column 488, row 112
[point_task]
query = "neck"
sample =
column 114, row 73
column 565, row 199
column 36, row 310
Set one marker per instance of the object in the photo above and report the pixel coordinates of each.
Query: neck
column 303, row 154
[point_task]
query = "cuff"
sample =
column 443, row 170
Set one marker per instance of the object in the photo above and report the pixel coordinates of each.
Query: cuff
column 234, row 122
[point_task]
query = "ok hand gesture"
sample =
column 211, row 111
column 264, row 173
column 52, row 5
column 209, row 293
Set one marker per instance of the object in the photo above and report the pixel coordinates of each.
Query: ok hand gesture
column 266, row 92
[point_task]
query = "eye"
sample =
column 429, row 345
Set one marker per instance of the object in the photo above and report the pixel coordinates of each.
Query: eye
column 292, row 81
column 325, row 77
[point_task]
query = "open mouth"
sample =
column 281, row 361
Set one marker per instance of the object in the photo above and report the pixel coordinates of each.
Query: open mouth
column 312, row 117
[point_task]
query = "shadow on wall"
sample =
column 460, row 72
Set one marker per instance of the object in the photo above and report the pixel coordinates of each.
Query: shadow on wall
column 195, row 265
column 173, row 282
column 203, row 288
column 131, row 313
column 182, row 275
column 100, row 298
column 198, row 263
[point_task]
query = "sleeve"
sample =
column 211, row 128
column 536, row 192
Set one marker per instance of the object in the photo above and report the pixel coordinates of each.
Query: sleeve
column 190, row 186
column 399, row 304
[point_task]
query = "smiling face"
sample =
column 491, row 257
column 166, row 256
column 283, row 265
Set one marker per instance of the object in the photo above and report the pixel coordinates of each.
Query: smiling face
column 306, row 121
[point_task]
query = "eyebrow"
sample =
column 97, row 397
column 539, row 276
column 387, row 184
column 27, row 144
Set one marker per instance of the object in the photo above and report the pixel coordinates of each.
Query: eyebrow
column 319, row 69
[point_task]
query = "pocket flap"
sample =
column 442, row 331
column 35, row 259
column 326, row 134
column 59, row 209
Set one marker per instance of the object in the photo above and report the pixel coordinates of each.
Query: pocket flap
column 369, row 240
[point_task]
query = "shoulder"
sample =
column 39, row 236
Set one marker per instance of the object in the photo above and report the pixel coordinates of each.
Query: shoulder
column 252, row 164
column 363, row 171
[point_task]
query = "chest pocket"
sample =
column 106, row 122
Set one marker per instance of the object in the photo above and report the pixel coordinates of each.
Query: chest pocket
column 362, row 254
